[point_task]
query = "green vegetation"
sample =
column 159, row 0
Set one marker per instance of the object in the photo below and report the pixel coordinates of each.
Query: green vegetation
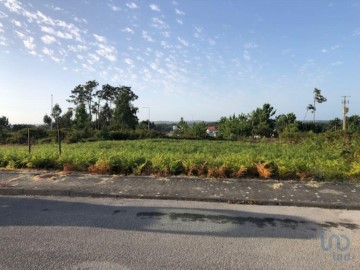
column 102, row 134
column 322, row 157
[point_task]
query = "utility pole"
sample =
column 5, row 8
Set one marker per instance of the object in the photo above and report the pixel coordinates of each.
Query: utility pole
column 51, row 112
column 345, row 110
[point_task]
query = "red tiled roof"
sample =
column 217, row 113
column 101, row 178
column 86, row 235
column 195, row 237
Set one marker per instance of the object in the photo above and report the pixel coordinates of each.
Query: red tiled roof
column 212, row 128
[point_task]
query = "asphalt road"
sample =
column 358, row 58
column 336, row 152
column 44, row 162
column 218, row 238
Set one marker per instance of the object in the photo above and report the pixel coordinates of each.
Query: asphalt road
column 88, row 233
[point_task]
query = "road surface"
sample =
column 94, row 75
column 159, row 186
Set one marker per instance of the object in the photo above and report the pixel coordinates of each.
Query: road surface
column 89, row 233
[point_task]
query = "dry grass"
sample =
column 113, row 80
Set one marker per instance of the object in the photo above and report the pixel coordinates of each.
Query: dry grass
column 101, row 167
column 304, row 176
column 220, row 172
column 263, row 170
column 68, row 167
column 240, row 173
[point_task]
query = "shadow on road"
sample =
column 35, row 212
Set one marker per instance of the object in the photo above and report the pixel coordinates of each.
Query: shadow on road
column 20, row 211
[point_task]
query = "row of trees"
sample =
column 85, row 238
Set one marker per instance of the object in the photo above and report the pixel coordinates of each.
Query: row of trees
column 111, row 107
column 260, row 122
column 263, row 123
column 95, row 113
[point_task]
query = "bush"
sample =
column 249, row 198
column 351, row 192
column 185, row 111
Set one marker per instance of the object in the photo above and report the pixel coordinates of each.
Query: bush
column 123, row 135
column 21, row 136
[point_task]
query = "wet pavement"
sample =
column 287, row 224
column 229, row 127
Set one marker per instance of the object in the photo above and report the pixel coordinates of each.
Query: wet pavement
column 341, row 195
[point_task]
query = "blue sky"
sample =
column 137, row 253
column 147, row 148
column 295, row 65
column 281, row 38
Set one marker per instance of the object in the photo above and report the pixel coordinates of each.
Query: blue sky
column 195, row 59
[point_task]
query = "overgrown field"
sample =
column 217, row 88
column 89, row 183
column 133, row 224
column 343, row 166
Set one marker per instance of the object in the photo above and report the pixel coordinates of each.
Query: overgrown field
column 318, row 157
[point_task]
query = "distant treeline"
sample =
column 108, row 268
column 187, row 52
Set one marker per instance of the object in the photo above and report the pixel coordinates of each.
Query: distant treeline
column 109, row 114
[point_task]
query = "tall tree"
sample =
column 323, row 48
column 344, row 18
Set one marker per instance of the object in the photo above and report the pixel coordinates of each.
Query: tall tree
column 183, row 127
column 353, row 123
column 334, row 124
column 198, row 129
column 56, row 112
column 234, row 127
column 78, row 95
column 4, row 123
column 83, row 95
column 81, row 116
column 66, row 118
column 286, row 123
column 105, row 116
column 47, row 120
column 318, row 98
column 107, row 94
column 262, row 123
column 125, row 112
column 89, row 89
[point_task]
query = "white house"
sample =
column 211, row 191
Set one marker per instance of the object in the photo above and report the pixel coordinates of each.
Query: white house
column 211, row 131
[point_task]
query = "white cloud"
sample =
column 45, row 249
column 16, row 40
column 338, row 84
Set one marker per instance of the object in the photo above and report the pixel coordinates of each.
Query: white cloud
column 16, row 23
column 356, row 32
column 48, row 39
column 165, row 45
column 47, row 24
column 3, row 41
column 19, row 34
column 198, row 32
column 129, row 61
column 3, row 15
column 88, row 67
column 109, row 52
column 183, row 42
column 58, row 34
column 179, row 21
column 128, row 30
column 47, row 51
column 337, row 63
column 159, row 24
column 306, row 67
column 114, row 8
column 28, row 41
column 247, row 55
column 13, row 5
column 45, row 19
column 77, row 48
column 80, row 20
column 211, row 41
column 332, row 48
column 198, row 29
column 250, row 45
column 179, row 12
column 103, row 49
column 131, row 5
column 1, row 28
column 99, row 38
column 154, row 7
column 147, row 36
column 55, row 8
column 159, row 54
column 92, row 58
column 166, row 34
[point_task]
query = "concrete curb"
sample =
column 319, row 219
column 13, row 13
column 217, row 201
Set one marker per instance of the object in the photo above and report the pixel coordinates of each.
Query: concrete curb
column 71, row 193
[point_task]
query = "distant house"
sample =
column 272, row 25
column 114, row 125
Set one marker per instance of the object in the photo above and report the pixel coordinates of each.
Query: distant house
column 211, row 131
